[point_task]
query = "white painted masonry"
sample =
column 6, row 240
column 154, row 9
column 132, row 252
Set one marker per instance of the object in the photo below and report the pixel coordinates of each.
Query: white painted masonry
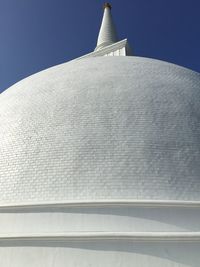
column 107, row 33
column 99, row 163
column 102, row 128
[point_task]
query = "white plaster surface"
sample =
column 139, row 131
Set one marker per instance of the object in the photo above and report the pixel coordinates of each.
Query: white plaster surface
column 121, row 48
column 118, row 219
column 98, row 254
column 102, row 128
column 107, row 34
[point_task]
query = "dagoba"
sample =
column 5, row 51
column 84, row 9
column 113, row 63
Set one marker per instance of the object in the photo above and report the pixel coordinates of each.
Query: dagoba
column 100, row 162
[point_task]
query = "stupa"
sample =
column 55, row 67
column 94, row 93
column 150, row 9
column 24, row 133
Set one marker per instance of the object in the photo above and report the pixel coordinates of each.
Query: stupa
column 100, row 162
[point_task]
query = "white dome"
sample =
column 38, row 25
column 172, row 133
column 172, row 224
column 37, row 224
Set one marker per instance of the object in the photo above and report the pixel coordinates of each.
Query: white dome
column 102, row 128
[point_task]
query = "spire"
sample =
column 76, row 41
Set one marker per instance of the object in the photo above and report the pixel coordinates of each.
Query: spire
column 108, row 43
column 107, row 33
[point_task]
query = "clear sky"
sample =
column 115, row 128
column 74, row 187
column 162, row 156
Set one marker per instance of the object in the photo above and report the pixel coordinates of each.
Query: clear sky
column 37, row 34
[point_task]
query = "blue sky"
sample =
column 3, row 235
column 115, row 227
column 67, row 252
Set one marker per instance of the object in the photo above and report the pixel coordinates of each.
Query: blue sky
column 37, row 34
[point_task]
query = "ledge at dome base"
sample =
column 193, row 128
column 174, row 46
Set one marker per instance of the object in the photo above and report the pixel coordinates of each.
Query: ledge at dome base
column 102, row 203
column 90, row 236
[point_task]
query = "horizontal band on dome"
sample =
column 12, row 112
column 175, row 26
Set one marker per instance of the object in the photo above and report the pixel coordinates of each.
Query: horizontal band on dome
column 103, row 203
column 91, row 236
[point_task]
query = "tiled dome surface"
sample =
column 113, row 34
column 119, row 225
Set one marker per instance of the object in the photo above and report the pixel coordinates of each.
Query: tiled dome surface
column 101, row 128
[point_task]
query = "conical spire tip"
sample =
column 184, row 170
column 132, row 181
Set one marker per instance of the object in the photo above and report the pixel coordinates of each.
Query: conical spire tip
column 107, row 5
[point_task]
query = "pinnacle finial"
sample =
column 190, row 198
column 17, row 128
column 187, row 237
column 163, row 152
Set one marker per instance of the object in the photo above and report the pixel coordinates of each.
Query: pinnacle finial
column 107, row 33
column 107, row 5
